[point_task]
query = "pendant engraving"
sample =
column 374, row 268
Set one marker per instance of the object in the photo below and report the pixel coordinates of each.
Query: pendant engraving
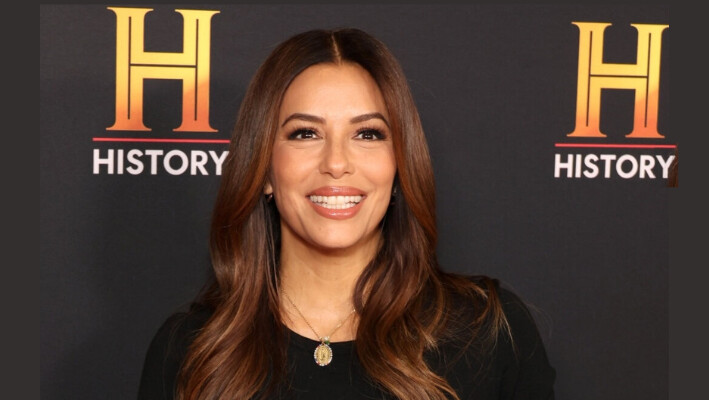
column 323, row 354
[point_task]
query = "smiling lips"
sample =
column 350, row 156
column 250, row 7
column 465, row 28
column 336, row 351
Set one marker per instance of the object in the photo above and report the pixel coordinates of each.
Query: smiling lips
column 336, row 202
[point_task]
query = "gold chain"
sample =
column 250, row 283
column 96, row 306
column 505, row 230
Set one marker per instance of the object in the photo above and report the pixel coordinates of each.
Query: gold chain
column 324, row 339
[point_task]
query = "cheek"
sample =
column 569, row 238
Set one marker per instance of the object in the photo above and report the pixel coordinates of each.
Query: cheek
column 381, row 168
column 287, row 171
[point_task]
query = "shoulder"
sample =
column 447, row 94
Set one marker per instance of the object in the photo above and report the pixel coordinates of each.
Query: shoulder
column 517, row 358
column 517, row 312
column 515, row 309
column 167, row 350
column 529, row 373
column 179, row 329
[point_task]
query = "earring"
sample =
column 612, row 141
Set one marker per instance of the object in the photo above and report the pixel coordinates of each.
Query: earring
column 269, row 197
column 393, row 196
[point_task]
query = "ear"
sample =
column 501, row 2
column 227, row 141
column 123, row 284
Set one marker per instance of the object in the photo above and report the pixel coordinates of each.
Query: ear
column 268, row 188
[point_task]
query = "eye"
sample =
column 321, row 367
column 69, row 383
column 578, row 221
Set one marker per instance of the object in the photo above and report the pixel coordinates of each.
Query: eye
column 302, row 134
column 370, row 134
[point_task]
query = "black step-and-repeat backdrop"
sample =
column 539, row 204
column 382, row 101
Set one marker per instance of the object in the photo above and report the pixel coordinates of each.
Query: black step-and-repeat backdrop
column 549, row 132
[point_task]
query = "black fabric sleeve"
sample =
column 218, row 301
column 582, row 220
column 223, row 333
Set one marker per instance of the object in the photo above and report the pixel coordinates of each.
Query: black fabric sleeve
column 166, row 353
column 529, row 375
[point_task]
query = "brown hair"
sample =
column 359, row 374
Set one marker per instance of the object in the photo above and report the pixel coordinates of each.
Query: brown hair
column 407, row 309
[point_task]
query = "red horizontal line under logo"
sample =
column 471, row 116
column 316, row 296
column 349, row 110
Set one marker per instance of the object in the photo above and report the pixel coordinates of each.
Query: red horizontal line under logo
column 157, row 140
column 226, row 141
column 618, row 145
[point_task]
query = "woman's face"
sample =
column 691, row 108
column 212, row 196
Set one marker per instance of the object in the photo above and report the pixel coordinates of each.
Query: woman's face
column 333, row 163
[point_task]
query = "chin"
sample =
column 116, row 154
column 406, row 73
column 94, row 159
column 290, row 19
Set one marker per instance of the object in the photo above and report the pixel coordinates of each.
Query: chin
column 334, row 242
column 336, row 245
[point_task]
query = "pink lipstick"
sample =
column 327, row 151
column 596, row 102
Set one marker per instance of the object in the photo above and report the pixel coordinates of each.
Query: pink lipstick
column 337, row 202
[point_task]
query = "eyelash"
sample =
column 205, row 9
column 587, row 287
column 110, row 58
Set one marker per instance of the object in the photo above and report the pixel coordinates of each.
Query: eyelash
column 378, row 135
column 299, row 132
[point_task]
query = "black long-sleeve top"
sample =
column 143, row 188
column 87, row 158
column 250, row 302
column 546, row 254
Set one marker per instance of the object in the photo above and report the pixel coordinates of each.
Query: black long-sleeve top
column 509, row 373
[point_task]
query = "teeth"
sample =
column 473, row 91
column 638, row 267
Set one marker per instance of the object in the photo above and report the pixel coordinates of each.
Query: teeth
column 336, row 202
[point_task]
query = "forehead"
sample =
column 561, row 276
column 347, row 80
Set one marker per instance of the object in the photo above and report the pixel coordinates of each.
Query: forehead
column 330, row 88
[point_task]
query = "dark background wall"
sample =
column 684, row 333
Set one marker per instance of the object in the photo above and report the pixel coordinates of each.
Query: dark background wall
column 496, row 88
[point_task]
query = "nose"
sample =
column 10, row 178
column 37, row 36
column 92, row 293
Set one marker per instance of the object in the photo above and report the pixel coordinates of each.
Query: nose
column 336, row 160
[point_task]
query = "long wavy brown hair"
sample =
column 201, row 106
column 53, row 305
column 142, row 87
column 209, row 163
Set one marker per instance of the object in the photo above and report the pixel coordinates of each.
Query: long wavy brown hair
column 408, row 306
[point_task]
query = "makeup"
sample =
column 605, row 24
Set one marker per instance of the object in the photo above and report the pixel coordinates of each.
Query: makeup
column 337, row 202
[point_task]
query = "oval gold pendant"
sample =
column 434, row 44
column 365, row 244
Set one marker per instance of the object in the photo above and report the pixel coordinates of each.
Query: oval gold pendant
column 323, row 354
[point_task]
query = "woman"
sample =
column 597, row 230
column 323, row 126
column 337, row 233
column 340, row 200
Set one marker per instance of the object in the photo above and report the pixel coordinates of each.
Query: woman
column 326, row 282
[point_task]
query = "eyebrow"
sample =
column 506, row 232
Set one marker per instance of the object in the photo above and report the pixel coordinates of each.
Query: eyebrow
column 354, row 120
column 367, row 117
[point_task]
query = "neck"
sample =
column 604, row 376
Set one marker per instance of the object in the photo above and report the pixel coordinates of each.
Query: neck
column 322, row 278
column 317, row 280
column 321, row 282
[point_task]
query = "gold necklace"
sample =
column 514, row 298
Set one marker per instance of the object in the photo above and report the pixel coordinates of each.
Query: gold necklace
column 323, row 353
